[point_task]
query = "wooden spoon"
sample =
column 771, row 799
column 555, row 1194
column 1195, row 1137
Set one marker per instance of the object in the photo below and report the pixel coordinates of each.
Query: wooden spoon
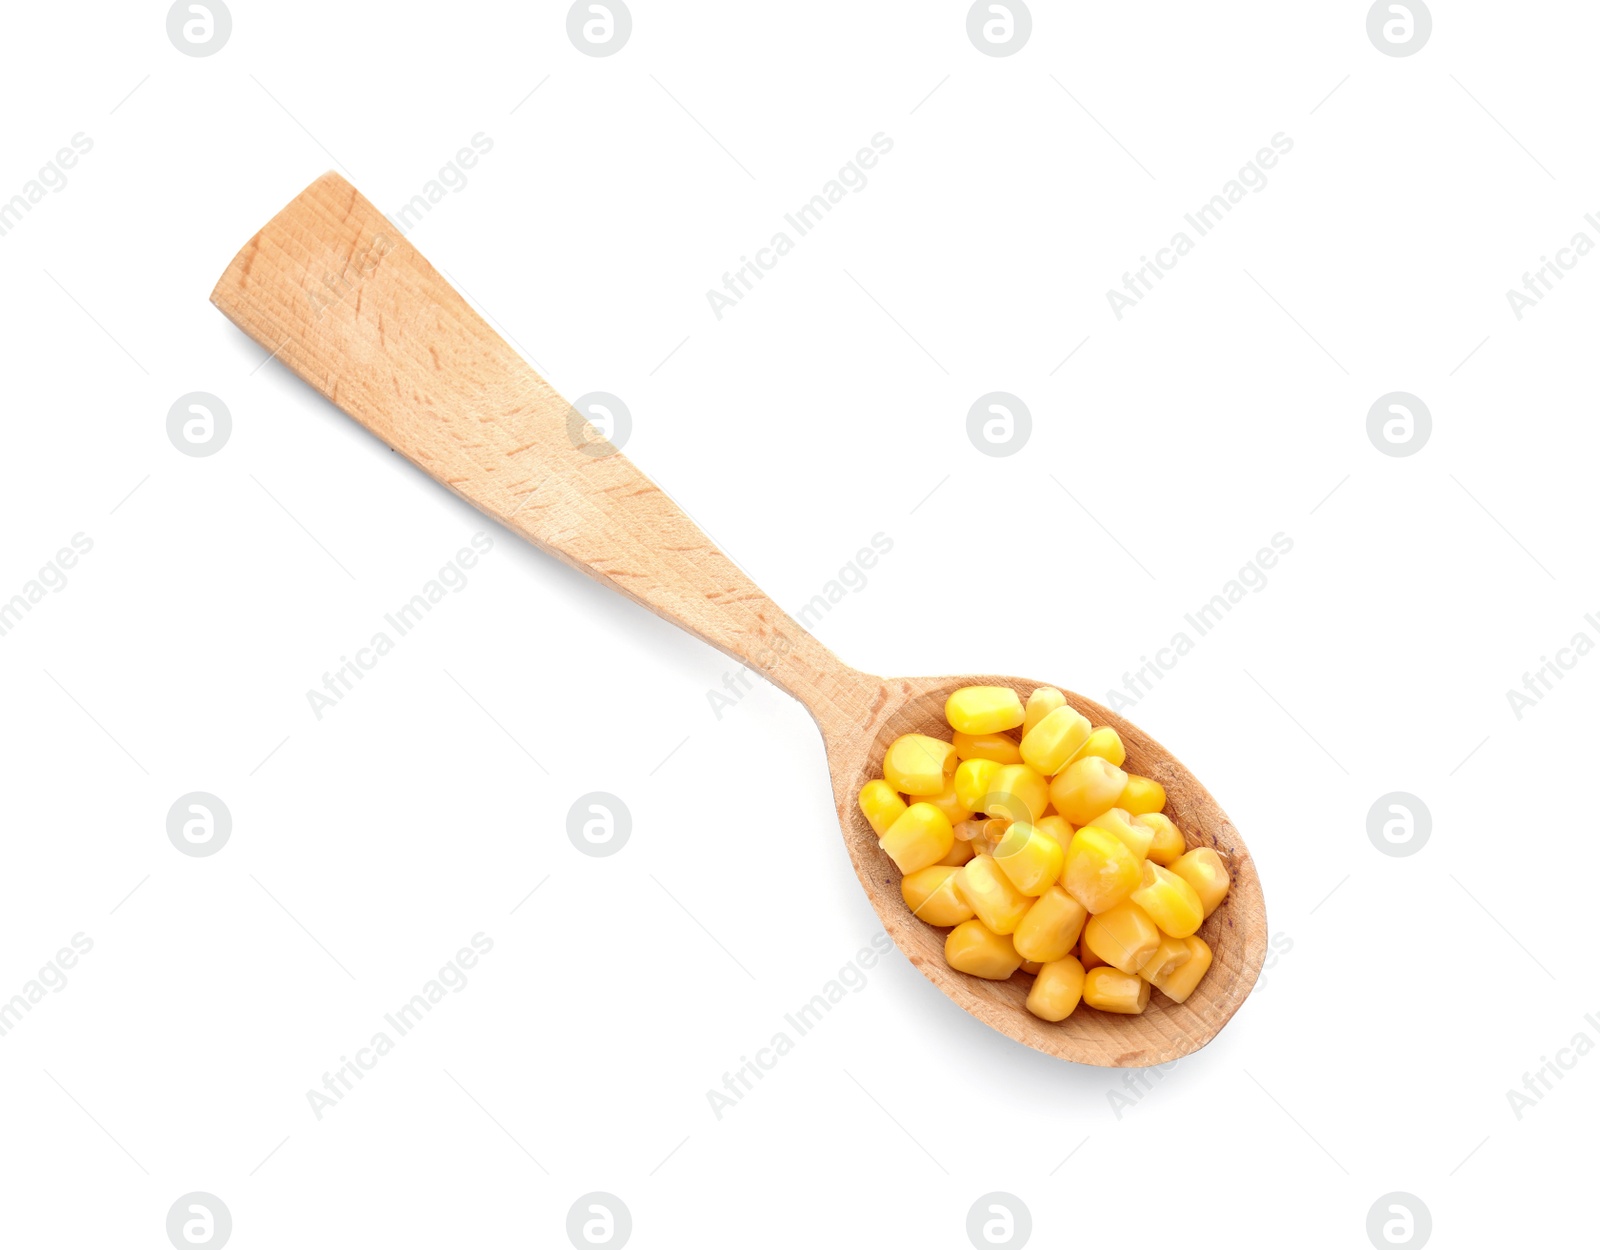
column 332, row 289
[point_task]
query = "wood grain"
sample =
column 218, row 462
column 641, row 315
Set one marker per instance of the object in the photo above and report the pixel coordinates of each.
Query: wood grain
column 333, row 290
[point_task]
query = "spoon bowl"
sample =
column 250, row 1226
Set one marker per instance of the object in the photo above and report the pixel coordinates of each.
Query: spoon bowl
column 330, row 288
column 1236, row 931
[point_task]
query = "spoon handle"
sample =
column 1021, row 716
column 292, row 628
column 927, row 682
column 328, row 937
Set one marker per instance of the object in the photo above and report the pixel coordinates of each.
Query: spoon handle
column 333, row 290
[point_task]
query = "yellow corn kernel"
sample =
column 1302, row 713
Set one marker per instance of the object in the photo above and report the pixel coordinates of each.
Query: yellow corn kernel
column 1169, row 900
column 1058, row 828
column 919, row 839
column 1051, row 928
column 1180, row 982
column 1106, row 743
column 1170, row 954
column 990, row 894
column 1055, row 740
column 1057, row 989
column 1135, row 837
column 1204, row 870
column 973, row 780
column 981, row 952
column 916, row 764
column 881, row 805
column 1029, row 966
column 1017, row 793
column 1087, row 957
column 996, row 747
column 1099, row 871
column 1106, row 989
column 959, row 853
column 1124, row 937
column 1031, row 859
column 1041, row 703
column 931, row 895
column 949, row 802
column 1142, row 795
column 1166, row 843
column 984, row 710
column 1085, row 788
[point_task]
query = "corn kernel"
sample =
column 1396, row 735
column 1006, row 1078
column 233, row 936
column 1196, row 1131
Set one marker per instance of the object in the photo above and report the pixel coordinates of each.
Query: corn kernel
column 989, row 892
column 1169, row 900
column 919, row 839
column 1204, row 870
column 1142, row 795
column 1045, row 854
column 1124, row 937
column 1106, row 743
column 997, row 747
column 931, row 895
column 1170, row 954
column 1135, row 837
column 1180, row 982
column 959, row 853
column 1087, row 787
column 973, row 780
column 1055, row 740
column 969, row 830
column 974, row 949
column 1057, row 989
column 1106, row 989
column 1166, row 844
column 881, row 805
column 1099, row 871
column 1058, row 828
column 1041, row 703
column 994, row 832
column 949, row 802
column 1031, row 859
column 916, row 764
column 984, row 710
column 1051, row 928
column 1017, row 793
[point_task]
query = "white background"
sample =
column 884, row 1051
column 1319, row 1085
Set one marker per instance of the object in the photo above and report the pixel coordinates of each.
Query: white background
column 1408, row 995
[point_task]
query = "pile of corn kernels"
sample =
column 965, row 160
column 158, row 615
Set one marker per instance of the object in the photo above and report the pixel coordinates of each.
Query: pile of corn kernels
column 1042, row 854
